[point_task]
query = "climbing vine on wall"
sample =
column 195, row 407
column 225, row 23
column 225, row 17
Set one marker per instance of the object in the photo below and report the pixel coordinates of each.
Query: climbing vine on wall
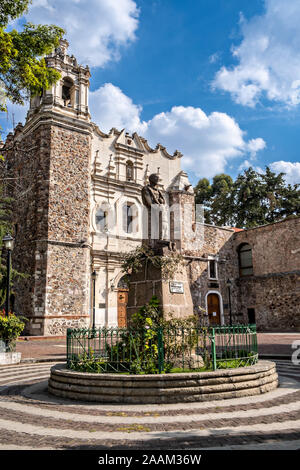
column 168, row 264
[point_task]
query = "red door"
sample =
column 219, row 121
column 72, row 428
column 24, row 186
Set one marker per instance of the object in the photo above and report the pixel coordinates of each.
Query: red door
column 122, row 307
column 213, row 309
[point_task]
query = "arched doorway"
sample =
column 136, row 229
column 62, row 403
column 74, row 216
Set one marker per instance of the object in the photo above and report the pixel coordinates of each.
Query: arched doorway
column 122, row 302
column 213, row 308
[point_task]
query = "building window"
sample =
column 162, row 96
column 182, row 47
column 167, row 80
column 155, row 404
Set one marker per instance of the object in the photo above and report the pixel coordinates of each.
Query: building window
column 212, row 269
column 101, row 220
column 129, row 171
column 245, row 260
column 129, row 217
column 251, row 315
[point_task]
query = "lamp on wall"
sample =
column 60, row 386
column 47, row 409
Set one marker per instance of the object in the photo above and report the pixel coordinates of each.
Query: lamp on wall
column 8, row 242
column 229, row 284
column 94, row 276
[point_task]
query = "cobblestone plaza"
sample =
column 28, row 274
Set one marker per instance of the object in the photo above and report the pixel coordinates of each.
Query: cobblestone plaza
column 30, row 418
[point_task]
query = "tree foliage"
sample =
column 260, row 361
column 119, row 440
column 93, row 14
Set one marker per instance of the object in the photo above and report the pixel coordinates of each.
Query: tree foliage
column 12, row 9
column 23, row 72
column 23, row 69
column 6, row 227
column 252, row 199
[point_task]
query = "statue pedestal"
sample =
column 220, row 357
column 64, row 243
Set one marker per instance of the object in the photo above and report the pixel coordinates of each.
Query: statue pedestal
column 174, row 294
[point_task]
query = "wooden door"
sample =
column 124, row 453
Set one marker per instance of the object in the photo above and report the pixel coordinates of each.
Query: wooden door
column 213, row 309
column 122, row 307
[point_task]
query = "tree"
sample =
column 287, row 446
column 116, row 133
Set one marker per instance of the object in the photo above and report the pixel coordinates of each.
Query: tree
column 5, row 227
column 203, row 194
column 252, row 199
column 290, row 205
column 23, row 69
column 273, row 190
column 23, row 72
column 215, row 198
column 247, row 193
column 221, row 205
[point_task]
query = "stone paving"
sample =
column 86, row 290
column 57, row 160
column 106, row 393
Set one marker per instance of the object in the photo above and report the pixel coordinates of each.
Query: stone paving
column 30, row 418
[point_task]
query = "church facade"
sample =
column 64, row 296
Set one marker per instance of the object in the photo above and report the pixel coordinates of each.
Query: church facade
column 78, row 208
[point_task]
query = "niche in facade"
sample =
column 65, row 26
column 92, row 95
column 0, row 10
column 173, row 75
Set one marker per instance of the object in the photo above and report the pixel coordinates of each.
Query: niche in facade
column 129, row 171
column 68, row 92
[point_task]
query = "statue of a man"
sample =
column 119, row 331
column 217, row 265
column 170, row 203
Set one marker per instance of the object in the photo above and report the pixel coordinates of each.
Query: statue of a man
column 151, row 196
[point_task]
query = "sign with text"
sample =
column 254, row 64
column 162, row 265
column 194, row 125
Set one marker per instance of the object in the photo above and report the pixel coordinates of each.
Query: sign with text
column 176, row 287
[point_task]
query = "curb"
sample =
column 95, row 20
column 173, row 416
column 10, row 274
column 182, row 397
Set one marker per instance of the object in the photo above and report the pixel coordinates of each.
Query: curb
column 287, row 357
column 148, row 389
column 40, row 338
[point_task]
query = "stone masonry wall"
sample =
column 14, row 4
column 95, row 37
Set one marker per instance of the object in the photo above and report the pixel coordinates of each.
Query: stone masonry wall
column 69, row 184
column 50, row 167
column 274, row 289
column 275, row 247
column 215, row 242
column 67, row 291
column 27, row 163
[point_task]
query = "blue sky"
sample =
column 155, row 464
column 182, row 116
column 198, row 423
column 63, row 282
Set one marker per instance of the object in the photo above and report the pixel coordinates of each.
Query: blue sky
column 219, row 80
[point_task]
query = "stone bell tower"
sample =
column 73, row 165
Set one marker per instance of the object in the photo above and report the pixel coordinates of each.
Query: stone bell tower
column 50, row 158
column 69, row 95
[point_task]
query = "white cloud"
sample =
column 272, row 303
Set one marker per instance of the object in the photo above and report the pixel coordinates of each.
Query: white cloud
column 96, row 29
column 291, row 169
column 268, row 57
column 214, row 58
column 254, row 145
column 246, row 164
column 110, row 107
column 208, row 142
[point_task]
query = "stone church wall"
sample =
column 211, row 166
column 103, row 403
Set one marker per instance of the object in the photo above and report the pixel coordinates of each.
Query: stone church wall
column 27, row 161
column 51, row 220
column 67, row 297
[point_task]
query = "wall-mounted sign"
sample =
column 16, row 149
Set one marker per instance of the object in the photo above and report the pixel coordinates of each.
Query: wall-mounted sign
column 176, row 287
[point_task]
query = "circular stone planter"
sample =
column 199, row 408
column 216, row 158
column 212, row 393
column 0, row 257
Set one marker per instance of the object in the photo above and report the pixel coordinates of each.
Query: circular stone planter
column 163, row 388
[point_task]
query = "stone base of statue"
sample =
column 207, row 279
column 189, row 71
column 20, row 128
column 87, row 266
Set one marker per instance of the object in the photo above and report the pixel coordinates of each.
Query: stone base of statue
column 152, row 280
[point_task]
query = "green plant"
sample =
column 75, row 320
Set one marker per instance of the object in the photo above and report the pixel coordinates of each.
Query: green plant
column 6, row 226
column 135, row 260
column 11, row 326
column 139, row 345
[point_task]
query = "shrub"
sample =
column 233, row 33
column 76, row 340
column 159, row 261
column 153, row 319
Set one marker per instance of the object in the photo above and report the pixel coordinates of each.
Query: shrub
column 135, row 260
column 11, row 326
column 139, row 344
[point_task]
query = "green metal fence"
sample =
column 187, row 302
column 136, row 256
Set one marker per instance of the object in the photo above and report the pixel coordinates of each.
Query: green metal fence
column 161, row 350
